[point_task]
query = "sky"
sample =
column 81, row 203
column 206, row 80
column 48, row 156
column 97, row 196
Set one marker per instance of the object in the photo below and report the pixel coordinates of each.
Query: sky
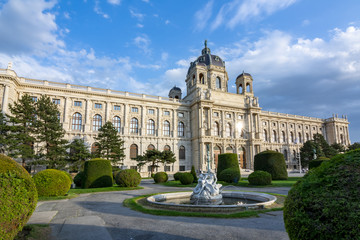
column 304, row 55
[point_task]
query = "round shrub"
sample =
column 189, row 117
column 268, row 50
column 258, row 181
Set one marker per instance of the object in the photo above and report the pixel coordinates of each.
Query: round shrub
column 69, row 176
column 259, row 178
column 152, row 175
column 324, row 204
column 317, row 162
column 128, row 178
column 177, row 176
column 79, row 178
column 98, row 173
column 225, row 161
column 230, row 175
column 194, row 174
column 186, row 178
column 161, row 177
column 18, row 197
column 52, row 182
column 271, row 162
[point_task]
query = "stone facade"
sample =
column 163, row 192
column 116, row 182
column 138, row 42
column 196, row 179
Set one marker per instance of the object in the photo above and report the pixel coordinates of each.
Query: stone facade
column 207, row 115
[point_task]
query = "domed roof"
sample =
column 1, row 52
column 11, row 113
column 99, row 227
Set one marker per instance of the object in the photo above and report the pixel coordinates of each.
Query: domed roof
column 207, row 59
column 176, row 88
column 244, row 74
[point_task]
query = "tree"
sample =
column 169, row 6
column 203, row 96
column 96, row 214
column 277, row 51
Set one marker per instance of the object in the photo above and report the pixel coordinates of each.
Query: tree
column 4, row 132
column 338, row 147
column 21, row 138
column 110, row 144
column 49, row 134
column 155, row 157
column 318, row 147
column 78, row 154
column 354, row 146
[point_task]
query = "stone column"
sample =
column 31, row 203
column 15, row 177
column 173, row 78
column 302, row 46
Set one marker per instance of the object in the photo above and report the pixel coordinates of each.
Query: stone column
column 65, row 118
column 5, row 99
column 107, row 111
column 125, row 127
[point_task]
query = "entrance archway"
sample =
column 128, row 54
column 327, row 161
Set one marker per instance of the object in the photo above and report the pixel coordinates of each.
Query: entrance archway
column 217, row 151
column 242, row 157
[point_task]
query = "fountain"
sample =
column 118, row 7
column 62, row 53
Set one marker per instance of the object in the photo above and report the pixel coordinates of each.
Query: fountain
column 208, row 196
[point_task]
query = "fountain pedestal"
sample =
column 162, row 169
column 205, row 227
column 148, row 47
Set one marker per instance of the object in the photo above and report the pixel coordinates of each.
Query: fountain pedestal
column 207, row 191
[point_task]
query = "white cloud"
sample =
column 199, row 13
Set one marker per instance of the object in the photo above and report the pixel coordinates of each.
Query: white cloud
column 114, row 2
column 167, row 22
column 140, row 25
column 164, row 56
column 306, row 22
column 28, row 26
column 67, row 15
column 147, row 1
column 137, row 15
column 143, row 43
column 203, row 15
column 235, row 12
column 98, row 10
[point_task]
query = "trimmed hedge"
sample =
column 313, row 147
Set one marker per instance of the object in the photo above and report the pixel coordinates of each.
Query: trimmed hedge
column 271, row 162
column 98, row 173
column 161, row 177
column 52, row 182
column 69, row 176
column 177, row 176
column 227, row 160
column 230, row 175
column 18, row 197
column 128, row 178
column 317, row 162
column 260, row 178
column 79, row 178
column 194, row 174
column 324, row 204
column 186, row 178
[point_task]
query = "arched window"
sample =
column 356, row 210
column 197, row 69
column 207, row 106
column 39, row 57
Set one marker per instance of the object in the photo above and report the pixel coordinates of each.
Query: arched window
column 307, row 137
column 182, row 153
column 228, row 130
column 117, row 123
column 76, row 121
column 193, row 80
column 274, row 136
column 300, row 138
column 133, row 151
column 181, row 129
column 341, row 139
column 151, row 147
column 292, row 137
column 294, row 155
column 248, row 87
column 97, row 122
column 134, row 126
column 167, row 148
column 166, row 128
column 201, row 78
column 265, row 135
column 285, row 154
column 229, row 149
column 94, row 147
column 283, row 137
column 218, row 82
column 150, row 127
column 216, row 129
column 240, row 89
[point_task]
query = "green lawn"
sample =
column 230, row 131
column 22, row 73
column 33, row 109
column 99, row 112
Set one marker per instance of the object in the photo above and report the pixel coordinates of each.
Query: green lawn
column 74, row 192
column 243, row 183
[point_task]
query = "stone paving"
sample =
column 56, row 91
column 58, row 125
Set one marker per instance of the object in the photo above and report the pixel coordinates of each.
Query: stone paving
column 102, row 216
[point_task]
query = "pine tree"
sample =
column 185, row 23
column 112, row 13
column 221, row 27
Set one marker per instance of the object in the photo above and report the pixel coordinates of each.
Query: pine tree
column 154, row 157
column 110, row 144
column 78, row 154
column 21, row 138
column 49, row 132
column 4, row 132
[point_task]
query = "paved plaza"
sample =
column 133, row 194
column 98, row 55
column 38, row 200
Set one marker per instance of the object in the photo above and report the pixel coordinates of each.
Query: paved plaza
column 102, row 216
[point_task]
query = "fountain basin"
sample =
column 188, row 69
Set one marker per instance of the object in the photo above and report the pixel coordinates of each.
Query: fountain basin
column 260, row 200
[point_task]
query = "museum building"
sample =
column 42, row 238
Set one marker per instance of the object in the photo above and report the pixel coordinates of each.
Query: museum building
column 208, row 117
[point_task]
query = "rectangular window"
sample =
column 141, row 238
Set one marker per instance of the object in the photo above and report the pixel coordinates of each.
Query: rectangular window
column 117, row 108
column 151, row 111
column 180, row 114
column 133, row 167
column 228, row 115
column 240, row 117
column 134, row 109
column 167, row 168
column 56, row 101
column 182, row 168
column 166, row 113
column 34, row 99
column 98, row 105
column 77, row 103
column 216, row 114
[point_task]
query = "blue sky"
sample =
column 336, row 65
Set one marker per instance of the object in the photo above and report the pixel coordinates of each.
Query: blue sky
column 304, row 55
